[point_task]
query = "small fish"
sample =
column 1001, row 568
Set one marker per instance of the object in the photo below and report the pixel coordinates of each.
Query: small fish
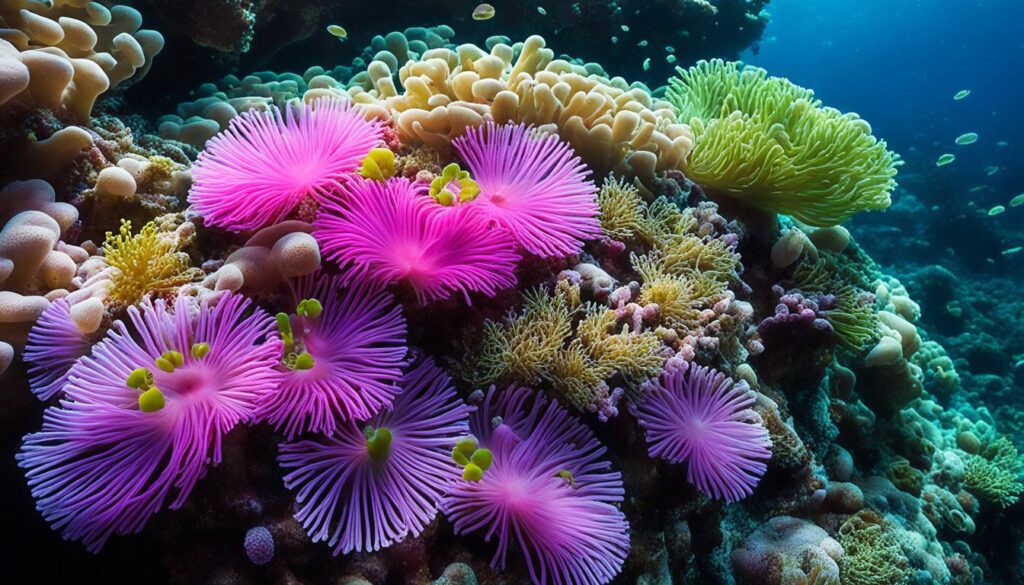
column 1002, row 143
column 670, row 58
column 945, row 160
column 642, row 43
column 670, row 49
column 625, row 28
column 962, row 94
column 483, row 12
column 338, row 31
column 968, row 138
column 541, row 11
column 1013, row 250
column 996, row 210
column 977, row 188
column 615, row 39
column 647, row 64
column 991, row 170
column 1017, row 201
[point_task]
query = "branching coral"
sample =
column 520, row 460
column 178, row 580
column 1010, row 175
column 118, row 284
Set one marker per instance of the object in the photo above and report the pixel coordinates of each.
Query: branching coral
column 368, row 487
column 700, row 416
column 547, row 487
column 145, row 414
column 622, row 209
column 771, row 144
column 145, row 263
column 994, row 476
column 871, row 553
column 267, row 163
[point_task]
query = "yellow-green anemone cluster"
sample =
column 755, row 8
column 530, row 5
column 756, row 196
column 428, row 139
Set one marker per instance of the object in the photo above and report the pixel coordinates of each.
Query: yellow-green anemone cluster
column 151, row 398
column 473, row 459
column 453, row 185
column 771, row 144
column 295, row 355
column 379, row 165
column 378, row 443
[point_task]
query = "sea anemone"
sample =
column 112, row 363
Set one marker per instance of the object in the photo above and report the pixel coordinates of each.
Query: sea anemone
column 391, row 232
column 342, row 360
column 699, row 415
column 145, row 413
column 54, row 344
column 546, row 488
column 533, row 185
column 370, row 486
column 266, row 163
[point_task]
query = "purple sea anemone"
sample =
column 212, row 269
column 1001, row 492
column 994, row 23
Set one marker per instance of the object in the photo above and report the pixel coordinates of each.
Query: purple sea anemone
column 369, row 486
column 145, row 412
column 547, row 488
column 698, row 415
column 343, row 357
column 392, row 232
column 534, row 185
column 54, row 344
column 256, row 172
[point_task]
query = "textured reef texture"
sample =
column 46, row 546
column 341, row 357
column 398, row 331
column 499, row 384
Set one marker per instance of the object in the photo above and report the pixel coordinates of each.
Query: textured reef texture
column 458, row 314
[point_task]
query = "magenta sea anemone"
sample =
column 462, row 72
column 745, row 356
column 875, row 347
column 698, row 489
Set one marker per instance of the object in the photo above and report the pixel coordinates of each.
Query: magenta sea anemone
column 547, row 488
column 392, row 232
column 145, row 412
column 369, row 486
column 343, row 357
column 534, row 185
column 266, row 163
column 54, row 344
column 699, row 415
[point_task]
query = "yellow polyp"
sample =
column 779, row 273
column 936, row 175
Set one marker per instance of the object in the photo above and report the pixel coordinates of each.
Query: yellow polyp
column 151, row 400
column 472, row 472
column 567, row 476
column 379, row 165
column 139, row 378
column 164, row 364
column 378, row 443
column 284, row 326
column 459, row 457
column 199, row 350
column 445, row 197
column 453, row 184
column 174, row 357
column 304, row 361
column 466, row 446
column 482, row 458
column 309, row 308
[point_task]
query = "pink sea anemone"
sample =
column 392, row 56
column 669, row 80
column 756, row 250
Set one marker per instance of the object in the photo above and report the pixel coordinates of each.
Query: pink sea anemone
column 54, row 345
column 547, row 488
column 392, row 232
column 370, row 486
column 145, row 413
column 534, row 185
column 266, row 163
column 697, row 415
column 355, row 342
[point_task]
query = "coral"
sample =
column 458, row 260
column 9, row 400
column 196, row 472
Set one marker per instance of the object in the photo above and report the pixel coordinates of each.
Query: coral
column 696, row 415
column 872, row 554
column 992, row 481
column 62, row 55
column 622, row 209
column 267, row 163
column 259, row 545
column 848, row 309
column 145, row 263
column 270, row 257
column 533, row 185
column 547, row 487
column 392, row 232
column 366, row 488
column 342, row 359
column 772, row 145
column 787, row 551
column 145, row 414
column 61, row 335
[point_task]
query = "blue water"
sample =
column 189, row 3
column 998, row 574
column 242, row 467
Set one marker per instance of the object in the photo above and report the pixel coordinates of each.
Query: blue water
column 898, row 63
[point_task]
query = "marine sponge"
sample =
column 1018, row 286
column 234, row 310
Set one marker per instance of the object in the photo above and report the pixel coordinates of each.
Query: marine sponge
column 267, row 163
column 547, row 488
column 368, row 487
column 270, row 257
column 532, row 184
column 697, row 415
column 145, row 263
column 145, row 414
column 772, row 145
column 393, row 232
column 343, row 357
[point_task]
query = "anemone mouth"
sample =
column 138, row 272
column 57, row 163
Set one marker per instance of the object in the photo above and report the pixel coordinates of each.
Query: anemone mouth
column 187, row 381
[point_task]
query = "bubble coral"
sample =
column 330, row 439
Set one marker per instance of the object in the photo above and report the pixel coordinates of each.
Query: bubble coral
column 267, row 162
column 145, row 413
column 772, row 145
column 343, row 357
column 390, row 232
column 366, row 488
column 698, row 415
column 547, row 488
column 56, row 342
column 534, row 185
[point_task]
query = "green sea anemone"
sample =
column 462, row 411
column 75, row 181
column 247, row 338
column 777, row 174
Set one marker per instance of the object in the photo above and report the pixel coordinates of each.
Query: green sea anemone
column 771, row 144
